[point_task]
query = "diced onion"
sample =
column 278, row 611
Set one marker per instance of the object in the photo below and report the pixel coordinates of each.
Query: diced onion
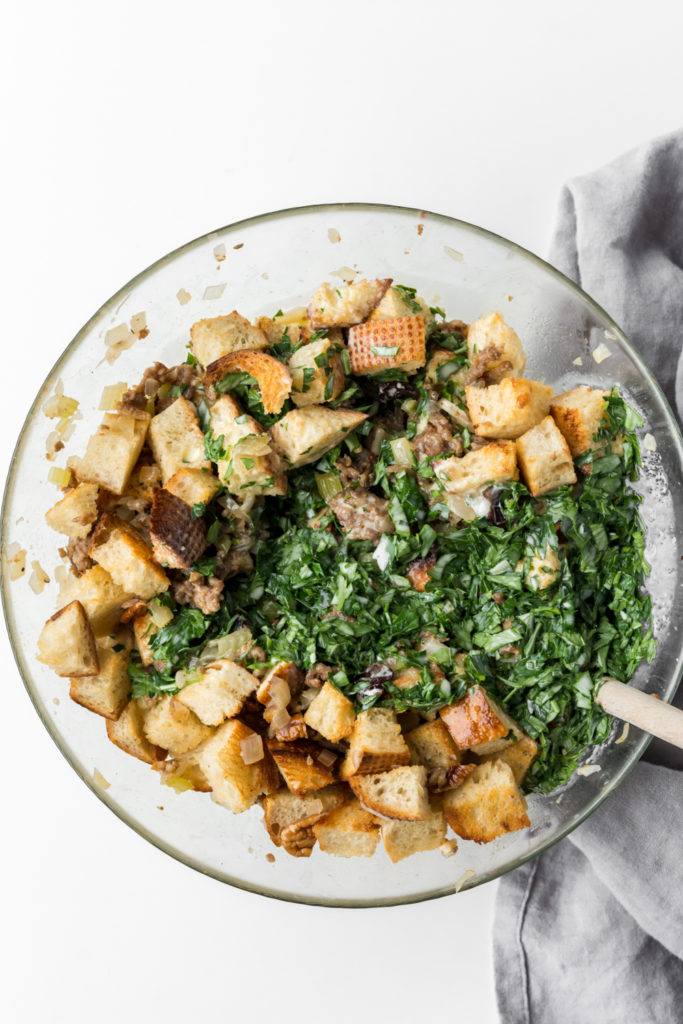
column 61, row 574
column 457, row 414
column 470, row 873
column 231, row 647
column 296, row 316
column 183, row 297
column 112, row 395
column 382, row 553
column 453, row 253
column 119, row 337
column 257, row 445
column 379, row 435
column 16, row 561
column 403, row 453
column 459, row 507
column 601, row 353
column 99, row 779
column 346, row 273
column 624, row 733
column 138, row 324
column 280, row 719
column 177, row 782
column 213, row 291
column 333, row 235
column 578, row 361
column 159, row 613
column 219, row 252
column 251, row 749
column 649, row 443
column 38, row 578
column 326, row 758
column 60, row 406
column 328, row 485
column 186, row 676
column 588, row 769
column 61, row 477
column 279, row 692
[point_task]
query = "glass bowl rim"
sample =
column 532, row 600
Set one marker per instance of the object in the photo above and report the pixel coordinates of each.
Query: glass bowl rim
column 51, row 727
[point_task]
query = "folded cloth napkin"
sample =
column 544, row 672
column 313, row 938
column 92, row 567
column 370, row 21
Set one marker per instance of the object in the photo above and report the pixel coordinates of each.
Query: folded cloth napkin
column 592, row 931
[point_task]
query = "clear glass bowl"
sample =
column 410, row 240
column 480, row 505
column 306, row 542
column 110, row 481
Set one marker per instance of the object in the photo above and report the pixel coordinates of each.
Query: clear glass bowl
column 276, row 261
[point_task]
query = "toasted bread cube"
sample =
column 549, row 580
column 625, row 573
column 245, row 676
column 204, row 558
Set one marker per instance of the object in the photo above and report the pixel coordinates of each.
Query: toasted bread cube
column 317, row 370
column 113, row 450
column 508, row 409
column 100, row 596
column 388, row 345
column 127, row 733
column 348, row 831
column 274, row 328
column 519, row 756
column 494, row 349
column 235, row 785
column 120, row 549
column 395, row 304
column 399, row 793
column 404, row 838
column 491, row 464
column 178, row 540
column 477, row 723
column 171, row 725
column 431, row 744
column 487, row 805
column 107, row 692
column 193, row 486
column 250, row 465
column 375, row 744
column 299, row 766
column 176, row 439
column 144, row 479
column 304, row 435
column 331, row 714
column 219, row 335
column 283, row 808
column 66, row 643
column 544, row 458
column 76, row 512
column 543, row 569
column 345, row 305
column 144, row 629
column 220, row 693
column 579, row 414
column 271, row 377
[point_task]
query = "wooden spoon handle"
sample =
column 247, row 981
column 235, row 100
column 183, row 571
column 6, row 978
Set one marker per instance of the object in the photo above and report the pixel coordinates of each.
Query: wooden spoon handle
column 643, row 710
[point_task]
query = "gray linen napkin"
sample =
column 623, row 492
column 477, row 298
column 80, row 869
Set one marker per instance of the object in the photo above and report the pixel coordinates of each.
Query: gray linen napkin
column 592, row 931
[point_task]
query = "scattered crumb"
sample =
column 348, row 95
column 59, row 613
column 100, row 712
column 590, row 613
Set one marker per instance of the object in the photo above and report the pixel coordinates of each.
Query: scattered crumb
column 219, row 253
column 346, row 273
column 55, row 700
column 578, row 361
column 453, row 253
column 423, row 214
column 470, row 873
column 238, row 246
column 449, row 847
column 649, row 443
column 510, row 298
column 588, row 769
column 38, row 578
column 608, row 334
column 264, row 276
column 333, row 235
column 183, row 297
column 250, row 849
column 61, row 574
column 624, row 733
column 99, row 779
column 420, row 228
column 270, row 858
column 159, row 807
column 213, row 291
column 16, row 560
column 19, row 520
column 601, row 353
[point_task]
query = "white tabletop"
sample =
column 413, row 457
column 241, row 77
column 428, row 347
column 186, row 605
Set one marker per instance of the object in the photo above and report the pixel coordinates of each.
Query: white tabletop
column 131, row 128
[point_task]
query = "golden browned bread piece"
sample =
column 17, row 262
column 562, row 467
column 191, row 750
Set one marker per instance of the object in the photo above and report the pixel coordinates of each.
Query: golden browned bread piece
column 220, row 335
column 100, row 596
column 127, row 733
column 387, row 345
column 299, row 765
column 234, row 784
column 348, row 831
column 178, row 540
column 404, row 838
column 304, row 435
column 168, row 723
column 67, row 644
column 507, row 409
column 318, row 371
column 176, row 439
column 193, row 486
column 220, row 693
column 375, row 744
column 331, row 714
column 477, row 723
column 431, row 744
column 579, row 414
column 283, row 808
column 345, row 305
column 76, row 512
column 113, row 450
column 487, row 805
column 492, row 463
column 494, row 349
column 544, row 458
column 399, row 793
column 272, row 377
column 395, row 304
column 119, row 548
column 105, row 693
column 250, row 466
column 519, row 756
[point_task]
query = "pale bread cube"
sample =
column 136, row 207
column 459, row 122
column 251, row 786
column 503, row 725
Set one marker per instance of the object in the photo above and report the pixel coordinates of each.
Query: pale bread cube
column 100, row 596
column 220, row 693
column 519, row 756
column 579, row 414
column 489, row 804
column 404, row 838
column 67, row 644
column 144, row 629
column 107, row 692
column 298, row 763
column 176, row 439
column 508, row 409
column 399, row 793
column 317, row 370
column 250, row 466
column 234, row 784
column 76, row 512
column 304, row 435
column 544, row 458
column 272, row 378
column 395, row 304
column 219, row 335
column 120, row 549
column 128, row 734
column 348, row 831
column 113, row 450
column 283, row 808
column 378, row 345
column 375, row 744
column 193, row 486
column 170, row 724
column 331, row 714
column 345, row 305
column 494, row 349
column 493, row 463
column 178, row 540
column 477, row 723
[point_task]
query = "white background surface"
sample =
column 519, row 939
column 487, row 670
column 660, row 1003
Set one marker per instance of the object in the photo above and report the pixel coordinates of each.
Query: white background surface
column 128, row 128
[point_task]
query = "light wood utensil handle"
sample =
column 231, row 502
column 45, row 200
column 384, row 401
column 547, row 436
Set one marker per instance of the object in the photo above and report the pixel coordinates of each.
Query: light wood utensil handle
column 643, row 710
